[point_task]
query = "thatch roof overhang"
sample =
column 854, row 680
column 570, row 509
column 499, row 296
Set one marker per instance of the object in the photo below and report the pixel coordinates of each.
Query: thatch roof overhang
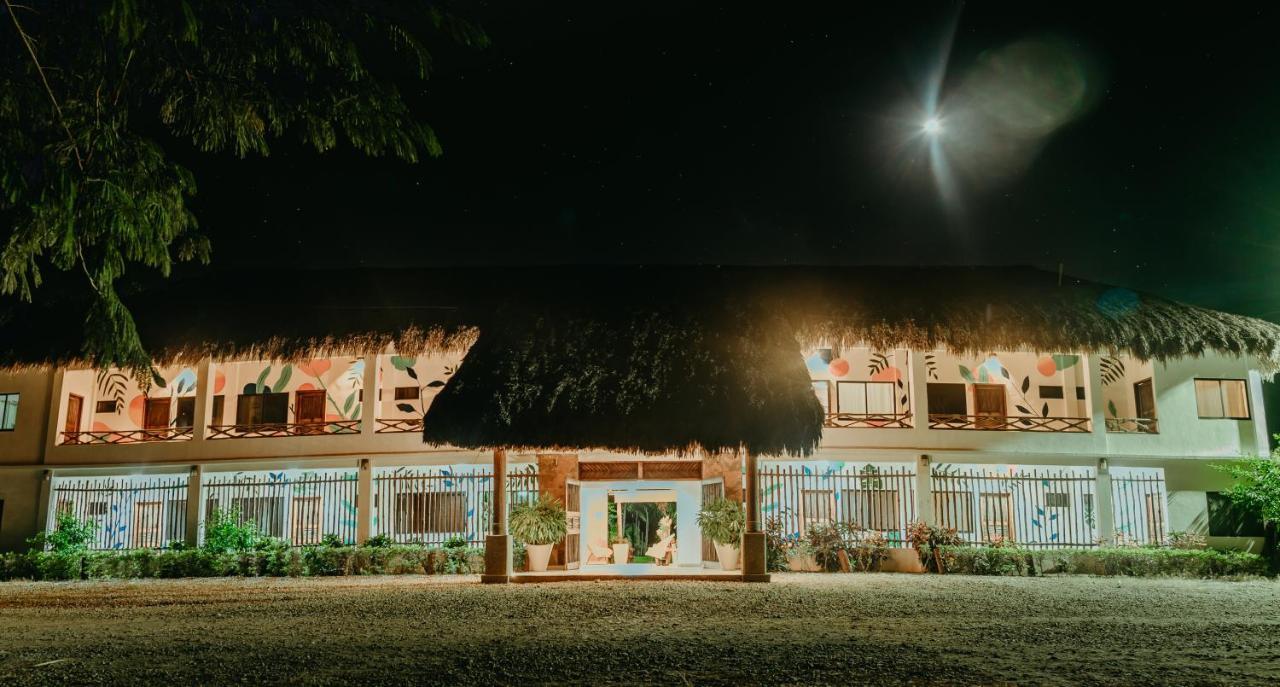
column 301, row 314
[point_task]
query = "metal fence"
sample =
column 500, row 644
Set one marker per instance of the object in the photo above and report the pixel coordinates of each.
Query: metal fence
column 1035, row 508
column 873, row 497
column 300, row 508
column 432, row 505
column 1140, row 504
column 126, row 512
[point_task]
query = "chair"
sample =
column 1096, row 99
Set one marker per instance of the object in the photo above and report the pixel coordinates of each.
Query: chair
column 598, row 554
column 662, row 551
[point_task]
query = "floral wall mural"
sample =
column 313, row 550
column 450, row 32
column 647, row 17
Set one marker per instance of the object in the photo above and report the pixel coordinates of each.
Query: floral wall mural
column 409, row 383
column 1035, row 384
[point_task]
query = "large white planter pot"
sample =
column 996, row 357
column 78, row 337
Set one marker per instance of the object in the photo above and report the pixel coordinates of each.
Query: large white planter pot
column 620, row 552
column 728, row 556
column 539, row 555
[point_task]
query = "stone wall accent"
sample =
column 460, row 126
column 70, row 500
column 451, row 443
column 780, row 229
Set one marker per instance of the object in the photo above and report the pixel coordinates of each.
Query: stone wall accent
column 727, row 466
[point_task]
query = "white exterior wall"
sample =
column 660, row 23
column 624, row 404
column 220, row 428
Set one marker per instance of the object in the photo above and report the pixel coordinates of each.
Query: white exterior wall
column 1184, row 446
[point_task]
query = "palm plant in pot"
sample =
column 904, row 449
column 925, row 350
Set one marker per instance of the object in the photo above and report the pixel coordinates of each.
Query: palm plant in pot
column 539, row 525
column 723, row 521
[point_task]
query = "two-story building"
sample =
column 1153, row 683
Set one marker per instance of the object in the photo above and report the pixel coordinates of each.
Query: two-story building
column 1004, row 402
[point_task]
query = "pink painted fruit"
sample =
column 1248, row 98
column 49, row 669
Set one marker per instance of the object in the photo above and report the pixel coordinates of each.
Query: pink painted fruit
column 1046, row 366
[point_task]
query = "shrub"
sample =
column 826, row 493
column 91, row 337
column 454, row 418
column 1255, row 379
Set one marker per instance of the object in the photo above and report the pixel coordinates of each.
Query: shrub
column 70, row 535
column 1176, row 562
column 332, row 540
column 540, row 522
column 776, row 546
column 723, row 521
column 868, row 548
column 379, row 541
column 224, row 531
column 1187, row 540
column 1004, row 560
column 934, row 545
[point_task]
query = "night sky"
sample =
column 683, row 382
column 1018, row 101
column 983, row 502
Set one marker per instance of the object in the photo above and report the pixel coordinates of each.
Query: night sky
column 780, row 134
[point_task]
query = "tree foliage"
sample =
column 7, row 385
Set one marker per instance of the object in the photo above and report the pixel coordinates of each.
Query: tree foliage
column 92, row 90
column 1257, row 486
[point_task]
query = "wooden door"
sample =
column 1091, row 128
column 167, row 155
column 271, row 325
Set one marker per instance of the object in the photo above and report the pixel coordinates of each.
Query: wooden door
column 989, row 406
column 310, row 410
column 712, row 489
column 157, row 414
column 573, row 515
column 71, row 426
column 1144, row 399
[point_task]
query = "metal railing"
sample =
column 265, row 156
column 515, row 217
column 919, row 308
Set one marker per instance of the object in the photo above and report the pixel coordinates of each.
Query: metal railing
column 432, row 505
column 299, row 508
column 1034, row 508
column 126, row 513
column 127, row 436
column 874, row 498
column 868, row 420
column 284, row 429
column 1140, row 504
column 1003, row 423
column 1132, row 425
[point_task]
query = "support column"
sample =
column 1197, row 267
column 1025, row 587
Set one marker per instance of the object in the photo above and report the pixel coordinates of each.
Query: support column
column 204, row 403
column 918, row 388
column 364, row 501
column 57, row 409
column 754, row 555
column 497, row 546
column 1103, row 506
column 369, row 406
column 195, row 499
column 42, row 501
column 1097, row 404
column 924, row 491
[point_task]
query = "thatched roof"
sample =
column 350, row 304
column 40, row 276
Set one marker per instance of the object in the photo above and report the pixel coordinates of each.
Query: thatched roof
column 632, row 377
column 301, row 314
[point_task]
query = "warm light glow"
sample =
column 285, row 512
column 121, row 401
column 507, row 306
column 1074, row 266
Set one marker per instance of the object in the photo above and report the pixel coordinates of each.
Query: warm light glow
column 932, row 126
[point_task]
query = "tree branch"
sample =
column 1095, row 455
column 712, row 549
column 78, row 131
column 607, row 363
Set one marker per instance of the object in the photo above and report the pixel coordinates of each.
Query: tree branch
column 26, row 41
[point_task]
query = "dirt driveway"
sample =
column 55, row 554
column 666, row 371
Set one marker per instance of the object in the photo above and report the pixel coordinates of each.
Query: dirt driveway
column 801, row 629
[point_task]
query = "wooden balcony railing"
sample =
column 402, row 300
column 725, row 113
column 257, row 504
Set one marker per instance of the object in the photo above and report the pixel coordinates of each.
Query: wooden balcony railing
column 1009, row 424
column 394, row 426
column 872, row 420
column 1132, row 425
column 127, row 436
column 284, row 429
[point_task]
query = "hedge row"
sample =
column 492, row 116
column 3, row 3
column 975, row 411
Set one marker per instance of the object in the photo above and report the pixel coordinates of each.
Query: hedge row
column 1134, row 562
column 277, row 561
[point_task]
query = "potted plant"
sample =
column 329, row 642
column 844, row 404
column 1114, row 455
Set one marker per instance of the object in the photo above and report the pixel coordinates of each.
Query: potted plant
column 539, row 525
column 723, row 521
column 621, row 548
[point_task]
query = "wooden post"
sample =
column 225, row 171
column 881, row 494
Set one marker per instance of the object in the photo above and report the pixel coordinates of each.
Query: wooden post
column 754, row 555
column 497, row 546
column 204, row 401
column 369, row 407
column 364, row 500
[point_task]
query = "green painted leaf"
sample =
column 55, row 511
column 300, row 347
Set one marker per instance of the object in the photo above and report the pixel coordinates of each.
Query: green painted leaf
column 1064, row 361
column 1111, row 408
column 966, row 374
column 283, row 382
column 262, row 379
column 402, row 363
column 346, row 406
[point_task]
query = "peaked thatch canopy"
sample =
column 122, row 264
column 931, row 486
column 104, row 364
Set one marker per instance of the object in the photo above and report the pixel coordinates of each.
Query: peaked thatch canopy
column 628, row 377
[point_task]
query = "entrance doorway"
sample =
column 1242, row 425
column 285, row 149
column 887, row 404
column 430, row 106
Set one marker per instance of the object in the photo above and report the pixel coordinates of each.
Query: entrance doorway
column 642, row 528
column 654, row 524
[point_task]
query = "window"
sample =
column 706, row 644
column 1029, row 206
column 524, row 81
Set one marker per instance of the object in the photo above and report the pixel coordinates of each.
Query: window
column 817, row 505
column 106, row 406
column 175, row 520
column 433, row 512
column 1226, row 519
column 267, row 512
column 407, row 393
column 8, row 412
column 1222, row 398
column 996, row 510
column 823, row 391
column 1057, row 499
column 262, row 409
column 954, row 509
column 865, row 398
column 873, row 509
column 947, row 399
column 186, row 413
column 146, row 524
column 219, row 405
column 1048, row 392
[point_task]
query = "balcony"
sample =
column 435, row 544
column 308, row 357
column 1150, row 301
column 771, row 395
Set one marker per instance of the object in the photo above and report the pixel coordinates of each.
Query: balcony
column 127, row 436
column 1132, row 425
column 394, row 426
column 867, row 420
column 1001, row 423
column 284, row 429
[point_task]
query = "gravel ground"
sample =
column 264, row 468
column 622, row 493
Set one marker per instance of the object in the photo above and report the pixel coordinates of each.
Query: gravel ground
column 802, row 629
